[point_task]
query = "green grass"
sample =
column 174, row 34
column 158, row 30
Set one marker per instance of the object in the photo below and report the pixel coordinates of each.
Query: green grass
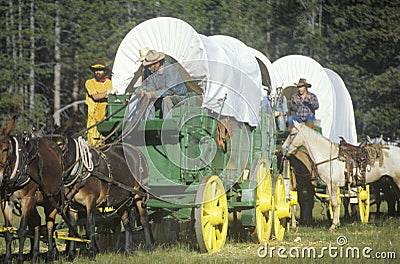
column 380, row 235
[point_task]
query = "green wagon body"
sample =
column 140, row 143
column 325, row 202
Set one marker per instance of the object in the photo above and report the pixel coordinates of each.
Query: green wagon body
column 170, row 144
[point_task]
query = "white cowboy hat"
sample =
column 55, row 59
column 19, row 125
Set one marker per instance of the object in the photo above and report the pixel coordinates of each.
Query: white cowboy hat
column 142, row 53
column 152, row 57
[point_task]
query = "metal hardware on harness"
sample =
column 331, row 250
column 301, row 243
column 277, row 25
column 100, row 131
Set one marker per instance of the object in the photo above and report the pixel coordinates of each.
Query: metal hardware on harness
column 65, row 236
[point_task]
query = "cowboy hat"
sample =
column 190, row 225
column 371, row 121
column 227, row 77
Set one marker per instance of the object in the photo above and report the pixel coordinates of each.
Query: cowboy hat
column 142, row 53
column 100, row 65
column 152, row 57
column 302, row 82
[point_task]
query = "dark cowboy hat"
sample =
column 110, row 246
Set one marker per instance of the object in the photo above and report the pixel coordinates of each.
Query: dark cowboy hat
column 100, row 65
column 302, row 83
column 152, row 57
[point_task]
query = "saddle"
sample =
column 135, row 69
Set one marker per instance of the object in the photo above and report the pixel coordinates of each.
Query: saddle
column 357, row 159
column 224, row 131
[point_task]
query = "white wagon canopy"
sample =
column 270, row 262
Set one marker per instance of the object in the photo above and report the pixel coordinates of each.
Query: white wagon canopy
column 221, row 66
column 335, row 106
column 344, row 123
column 290, row 68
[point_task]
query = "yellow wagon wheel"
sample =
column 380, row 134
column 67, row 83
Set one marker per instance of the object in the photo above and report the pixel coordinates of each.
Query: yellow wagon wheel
column 281, row 208
column 364, row 203
column 264, row 201
column 293, row 201
column 211, row 214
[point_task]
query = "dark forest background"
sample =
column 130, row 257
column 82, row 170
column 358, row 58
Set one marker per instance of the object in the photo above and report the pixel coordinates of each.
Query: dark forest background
column 46, row 47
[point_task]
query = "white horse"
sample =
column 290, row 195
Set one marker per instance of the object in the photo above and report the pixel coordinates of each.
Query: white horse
column 331, row 170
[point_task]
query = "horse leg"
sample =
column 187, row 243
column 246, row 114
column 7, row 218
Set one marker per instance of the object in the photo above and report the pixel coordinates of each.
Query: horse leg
column 144, row 220
column 332, row 192
column 6, row 208
column 293, row 217
column 378, row 200
column 306, row 202
column 128, row 220
column 28, row 206
column 71, row 249
column 293, row 186
column 90, row 226
column 390, row 199
column 50, row 213
column 346, row 203
column 34, row 224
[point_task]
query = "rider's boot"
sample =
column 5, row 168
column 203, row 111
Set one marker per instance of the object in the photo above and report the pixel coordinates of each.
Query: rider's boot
column 310, row 124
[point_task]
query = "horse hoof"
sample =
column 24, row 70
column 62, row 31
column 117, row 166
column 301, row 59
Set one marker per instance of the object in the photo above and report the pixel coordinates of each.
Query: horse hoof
column 71, row 256
column 149, row 248
column 333, row 228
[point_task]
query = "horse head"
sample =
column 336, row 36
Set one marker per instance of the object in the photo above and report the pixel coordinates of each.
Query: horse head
column 377, row 140
column 5, row 147
column 293, row 141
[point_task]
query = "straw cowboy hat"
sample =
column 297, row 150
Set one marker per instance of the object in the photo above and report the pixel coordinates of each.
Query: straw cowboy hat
column 142, row 54
column 152, row 57
column 100, row 65
column 302, row 83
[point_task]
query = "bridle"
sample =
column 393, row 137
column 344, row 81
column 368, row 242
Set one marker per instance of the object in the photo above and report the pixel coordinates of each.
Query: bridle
column 10, row 152
column 292, row 137
column 316, row 164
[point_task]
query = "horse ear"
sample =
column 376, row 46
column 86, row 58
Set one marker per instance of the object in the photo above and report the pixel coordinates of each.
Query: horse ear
column 49, row 123
column 296, row 124
column 7, row 130
column 64, row 129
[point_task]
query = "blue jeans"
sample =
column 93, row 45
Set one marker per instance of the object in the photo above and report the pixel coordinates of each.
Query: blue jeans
column 280, row 122
column 310, row 118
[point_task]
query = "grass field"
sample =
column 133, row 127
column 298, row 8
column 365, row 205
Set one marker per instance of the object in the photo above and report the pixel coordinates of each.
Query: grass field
column 306, row 244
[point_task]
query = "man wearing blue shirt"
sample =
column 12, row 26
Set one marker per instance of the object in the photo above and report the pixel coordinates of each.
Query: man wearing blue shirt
column 280, row 109
column 165, row 81
column 303, row 104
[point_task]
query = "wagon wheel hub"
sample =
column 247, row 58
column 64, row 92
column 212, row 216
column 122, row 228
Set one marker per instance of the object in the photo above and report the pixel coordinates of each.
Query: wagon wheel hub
column 217, row 216
column 265, row 204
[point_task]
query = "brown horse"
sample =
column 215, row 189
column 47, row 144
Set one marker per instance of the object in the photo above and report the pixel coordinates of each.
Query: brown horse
column 113, row 180
column 31, row 174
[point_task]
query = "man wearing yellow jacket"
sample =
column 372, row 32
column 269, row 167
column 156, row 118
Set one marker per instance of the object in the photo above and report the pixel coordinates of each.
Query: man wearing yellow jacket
column 97, row 90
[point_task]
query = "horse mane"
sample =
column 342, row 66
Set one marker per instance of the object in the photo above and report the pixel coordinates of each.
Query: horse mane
column 313, row 132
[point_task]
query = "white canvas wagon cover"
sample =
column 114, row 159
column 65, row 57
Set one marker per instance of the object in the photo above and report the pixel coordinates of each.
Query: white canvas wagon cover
column 344, row 124
column 226, row 65
column 335, row 105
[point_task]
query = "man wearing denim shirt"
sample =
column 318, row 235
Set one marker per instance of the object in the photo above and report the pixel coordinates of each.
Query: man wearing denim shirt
column 165, row 81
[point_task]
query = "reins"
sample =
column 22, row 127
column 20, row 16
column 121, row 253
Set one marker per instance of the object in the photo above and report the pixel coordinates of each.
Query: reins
column 143, row 102
column 85, row 154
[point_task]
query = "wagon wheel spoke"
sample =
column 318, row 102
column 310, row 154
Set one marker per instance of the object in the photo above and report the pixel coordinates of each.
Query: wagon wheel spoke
column 281, row 208
column 264, row 202
column 364, row 203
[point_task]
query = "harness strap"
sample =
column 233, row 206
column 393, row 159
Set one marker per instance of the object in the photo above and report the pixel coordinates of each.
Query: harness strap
column 17, row 159
column 125, row 187
column 327, row 160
